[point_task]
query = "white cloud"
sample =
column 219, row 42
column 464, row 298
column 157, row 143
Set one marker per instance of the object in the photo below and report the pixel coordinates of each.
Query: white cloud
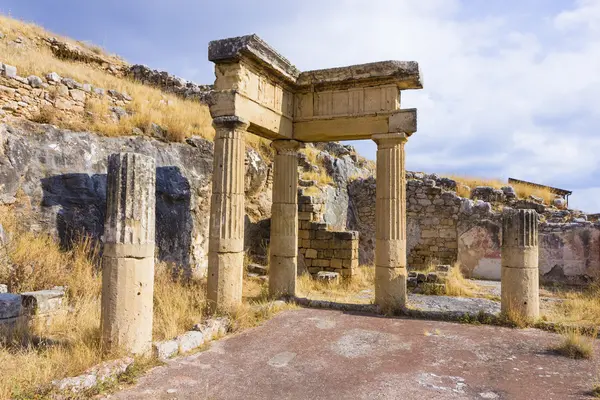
column 500, row 98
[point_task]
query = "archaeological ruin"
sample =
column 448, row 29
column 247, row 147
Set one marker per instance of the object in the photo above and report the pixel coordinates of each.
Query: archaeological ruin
column 259, row 91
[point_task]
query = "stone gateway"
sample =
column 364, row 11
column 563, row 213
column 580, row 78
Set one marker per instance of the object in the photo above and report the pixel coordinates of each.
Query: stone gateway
column 259, row 91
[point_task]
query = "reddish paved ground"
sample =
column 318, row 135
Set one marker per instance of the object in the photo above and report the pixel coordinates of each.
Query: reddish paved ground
column 322, row 354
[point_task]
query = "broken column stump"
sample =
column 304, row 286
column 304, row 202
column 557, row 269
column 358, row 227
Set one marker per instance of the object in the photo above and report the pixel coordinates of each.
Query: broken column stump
column 128, row 258
column 520, row 270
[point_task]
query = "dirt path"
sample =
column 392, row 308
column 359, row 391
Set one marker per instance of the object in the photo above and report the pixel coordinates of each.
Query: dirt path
column 323, row 354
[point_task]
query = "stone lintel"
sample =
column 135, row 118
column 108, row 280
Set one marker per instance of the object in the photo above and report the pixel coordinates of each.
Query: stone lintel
column 237, row 48
column 356, row 127
column 262, row 120
column 404, row 74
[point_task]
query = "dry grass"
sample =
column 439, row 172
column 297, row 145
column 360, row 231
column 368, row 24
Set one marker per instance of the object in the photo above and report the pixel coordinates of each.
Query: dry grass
column 343, row 291
column 576, row 345
column 320, row 176
column 466, row 183
column 179, row 118
column 580, row 308
column 457, row 284
column 179, row 302
column 70, row 342
column 513, row 316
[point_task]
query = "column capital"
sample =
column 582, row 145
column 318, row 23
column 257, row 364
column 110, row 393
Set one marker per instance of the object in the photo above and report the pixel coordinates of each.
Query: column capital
column 384, row 140
column 231, row 122
column 286, row 147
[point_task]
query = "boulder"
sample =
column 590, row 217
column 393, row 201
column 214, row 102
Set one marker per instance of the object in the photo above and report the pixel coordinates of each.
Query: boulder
column 53, row 77
column 35, row 81
column 509, row 192
column 10, row 306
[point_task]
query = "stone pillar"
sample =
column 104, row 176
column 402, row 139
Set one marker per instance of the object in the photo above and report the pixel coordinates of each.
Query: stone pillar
column 390, row 222
column 226, row 231
column 128, row 257
column 283, row 248
column 520, row 272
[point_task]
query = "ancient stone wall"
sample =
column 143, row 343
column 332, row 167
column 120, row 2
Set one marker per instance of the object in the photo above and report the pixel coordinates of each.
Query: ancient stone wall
column 170, row 83
column 44, row 99
column 321, row 248
column 443, row 227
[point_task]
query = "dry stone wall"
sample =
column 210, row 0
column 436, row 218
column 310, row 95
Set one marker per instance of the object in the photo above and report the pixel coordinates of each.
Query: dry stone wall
column 444, row 228
column 321, row 248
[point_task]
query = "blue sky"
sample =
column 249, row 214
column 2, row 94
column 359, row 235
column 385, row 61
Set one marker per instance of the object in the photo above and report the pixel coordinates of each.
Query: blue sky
column 511, row 87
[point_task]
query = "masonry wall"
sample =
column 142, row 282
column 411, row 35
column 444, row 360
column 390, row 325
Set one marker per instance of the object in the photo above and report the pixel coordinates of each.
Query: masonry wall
column 444, row 228
column 321, row 248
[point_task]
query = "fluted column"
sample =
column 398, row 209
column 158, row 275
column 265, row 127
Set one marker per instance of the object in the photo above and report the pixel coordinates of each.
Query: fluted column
column 283, row 248
column 520, row 270
column 128, row 257
column 390, row 222
column 226, row 232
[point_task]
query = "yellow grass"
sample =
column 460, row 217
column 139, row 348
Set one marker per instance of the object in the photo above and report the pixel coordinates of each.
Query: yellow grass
column 345, row 290
column 523, row 191
column 35, row 262
column 457, row 284
column 575, row 344
column 320, row 176
column 578, row 308
column 180, row 118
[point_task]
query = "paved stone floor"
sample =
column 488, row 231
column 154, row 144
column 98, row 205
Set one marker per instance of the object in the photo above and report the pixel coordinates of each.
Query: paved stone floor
column 324, row 354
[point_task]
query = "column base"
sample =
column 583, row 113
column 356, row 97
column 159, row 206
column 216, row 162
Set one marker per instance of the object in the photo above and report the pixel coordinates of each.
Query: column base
column 127, row 304
column 282, row 276
column 224, row 283
column 520, row 292
column 390, row 288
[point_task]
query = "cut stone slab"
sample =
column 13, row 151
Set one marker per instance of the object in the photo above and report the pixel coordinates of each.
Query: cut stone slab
column 190, row 341
column 43, row 301
column 328, row 276
column 10, row 305
column 447, row 306
column 257, row 269
column 166, row 349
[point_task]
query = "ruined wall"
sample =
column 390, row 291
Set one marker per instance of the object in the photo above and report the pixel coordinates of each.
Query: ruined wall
column 443, row 227
column 320, row 246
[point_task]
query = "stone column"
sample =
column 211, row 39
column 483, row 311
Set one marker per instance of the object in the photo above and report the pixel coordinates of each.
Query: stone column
column 520, row 272
column 390, row 222
column 128, row 257
column 283, row 248
column 226, row 231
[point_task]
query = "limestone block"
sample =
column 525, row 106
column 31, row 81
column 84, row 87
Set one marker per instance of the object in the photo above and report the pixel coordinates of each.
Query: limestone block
column 311, row 253
column 10, row 305
column 189, row 341
column 165, row 350
column 224, row 287
column 9, row 71
column 78, row 95
column 390, row 287
column 127, row 308
column 282, row 275
column 43, row 301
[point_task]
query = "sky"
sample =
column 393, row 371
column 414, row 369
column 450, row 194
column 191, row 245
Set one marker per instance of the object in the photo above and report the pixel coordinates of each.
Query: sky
column 511, row 87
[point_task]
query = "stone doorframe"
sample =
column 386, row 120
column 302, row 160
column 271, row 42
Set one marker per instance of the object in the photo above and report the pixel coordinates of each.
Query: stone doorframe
column 259, row 91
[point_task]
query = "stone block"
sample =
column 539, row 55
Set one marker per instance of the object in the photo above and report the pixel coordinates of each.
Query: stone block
column 189, row 341
column 43, row 301
column 165, row 350
column 331, row 277
column 305, row 243
column 432, row 277
column 10, row 305
column 343, row 254
column 303, row 234
column 77, row 95
column 336, row 263
column 311, row 253
column 321, row 263
column 421, row 277
column 3, row 287
column 35, row 81
column 257, row 269
column 319, row 244
column 323, row 235
column 9, row 71
column 326, row 253
column 304, row 216
column 318, row 226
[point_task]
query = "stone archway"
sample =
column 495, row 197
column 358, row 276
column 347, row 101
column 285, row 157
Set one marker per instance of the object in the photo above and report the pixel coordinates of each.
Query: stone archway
column 259, row 91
